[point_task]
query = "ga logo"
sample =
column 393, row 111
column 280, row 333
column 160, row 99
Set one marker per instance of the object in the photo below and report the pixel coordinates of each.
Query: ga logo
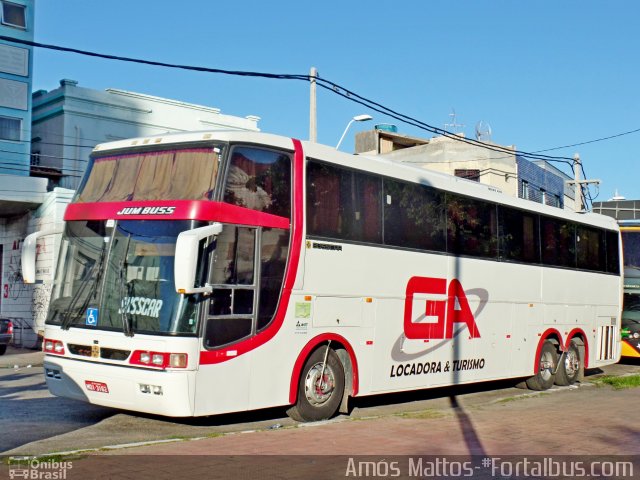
column 444, row 310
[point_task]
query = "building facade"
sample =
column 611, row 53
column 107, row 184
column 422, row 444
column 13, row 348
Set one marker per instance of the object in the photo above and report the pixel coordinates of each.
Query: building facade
column 70, row 120
column 501, row 168
column 66, row 123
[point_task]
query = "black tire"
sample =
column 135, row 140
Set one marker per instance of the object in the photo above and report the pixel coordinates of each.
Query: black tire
column 319, row 401
column 547, row 365
column 570, row 365
column 3, row 349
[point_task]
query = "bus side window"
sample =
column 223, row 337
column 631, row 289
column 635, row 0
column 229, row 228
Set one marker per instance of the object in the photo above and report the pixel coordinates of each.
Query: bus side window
column 260, row 179
column 273, row 261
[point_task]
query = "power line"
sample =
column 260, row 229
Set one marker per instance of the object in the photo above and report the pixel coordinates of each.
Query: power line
column 327, row 84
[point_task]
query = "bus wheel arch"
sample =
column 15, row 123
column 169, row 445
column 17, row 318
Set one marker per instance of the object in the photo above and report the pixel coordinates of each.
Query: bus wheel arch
column 572, row 361
column 331, row 347
column 546, row 361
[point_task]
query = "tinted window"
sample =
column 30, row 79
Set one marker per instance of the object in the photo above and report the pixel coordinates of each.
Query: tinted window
column 414, row 216
column 273, row 260
column 343, row 204
column 591, row 251
column 471, row 227
column 558, row 242
column 519, row 236
column 613, row 252
column 260, row 179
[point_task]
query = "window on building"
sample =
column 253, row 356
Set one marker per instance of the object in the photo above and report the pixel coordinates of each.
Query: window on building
column 468, row 174
column 525, row 190
column 10, row 128
column 14, row 15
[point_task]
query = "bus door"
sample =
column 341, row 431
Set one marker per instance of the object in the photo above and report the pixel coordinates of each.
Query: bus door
column 246, row 272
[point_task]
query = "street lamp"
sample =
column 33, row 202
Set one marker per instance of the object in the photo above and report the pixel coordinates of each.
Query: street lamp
column 357, row 118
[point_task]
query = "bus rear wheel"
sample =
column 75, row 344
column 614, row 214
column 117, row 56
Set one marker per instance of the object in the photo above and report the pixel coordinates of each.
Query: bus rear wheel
column 547, row 365
column 569, row 368
column 320, row 387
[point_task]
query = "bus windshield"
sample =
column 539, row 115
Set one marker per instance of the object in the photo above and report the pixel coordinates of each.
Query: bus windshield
column 121, row 278
column 631, row 304
column 184, row 174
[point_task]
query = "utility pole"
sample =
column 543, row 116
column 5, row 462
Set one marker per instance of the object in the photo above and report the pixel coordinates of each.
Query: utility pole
column 313, row 126
column 576, row 176
column 577, row 168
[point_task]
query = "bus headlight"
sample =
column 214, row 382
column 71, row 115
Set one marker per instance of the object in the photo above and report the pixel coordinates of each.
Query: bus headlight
column 157, row 359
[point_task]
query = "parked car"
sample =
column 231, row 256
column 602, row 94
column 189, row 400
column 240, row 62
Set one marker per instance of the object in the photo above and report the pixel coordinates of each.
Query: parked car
column 6, row 334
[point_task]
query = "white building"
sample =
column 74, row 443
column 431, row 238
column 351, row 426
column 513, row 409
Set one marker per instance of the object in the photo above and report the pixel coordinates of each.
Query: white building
column 66, row 124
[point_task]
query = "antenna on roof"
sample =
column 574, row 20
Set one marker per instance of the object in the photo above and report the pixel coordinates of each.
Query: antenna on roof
column 483, row 131
column 453, row 126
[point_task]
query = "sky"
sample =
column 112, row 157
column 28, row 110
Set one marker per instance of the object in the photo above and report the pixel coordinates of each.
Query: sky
column 542, row 74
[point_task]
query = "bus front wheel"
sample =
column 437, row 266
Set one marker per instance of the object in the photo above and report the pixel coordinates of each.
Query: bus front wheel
column 320, row 387
column 547, row 366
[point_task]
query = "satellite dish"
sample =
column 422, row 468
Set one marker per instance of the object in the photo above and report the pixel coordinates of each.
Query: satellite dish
column 483, row 131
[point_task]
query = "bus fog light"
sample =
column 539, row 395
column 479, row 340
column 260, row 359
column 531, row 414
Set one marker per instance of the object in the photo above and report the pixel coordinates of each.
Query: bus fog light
column 157, row 359
column 178, row 360
column 145, row 357
column 157, row 390
column 145, row 388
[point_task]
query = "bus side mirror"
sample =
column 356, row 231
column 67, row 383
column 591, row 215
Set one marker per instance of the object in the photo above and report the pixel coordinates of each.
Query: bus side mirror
column 186, row 257
column 29, row 251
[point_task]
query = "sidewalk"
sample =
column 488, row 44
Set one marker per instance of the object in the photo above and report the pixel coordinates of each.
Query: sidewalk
column 21, row 357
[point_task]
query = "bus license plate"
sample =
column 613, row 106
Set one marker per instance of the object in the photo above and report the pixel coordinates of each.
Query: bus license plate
column 96, row 386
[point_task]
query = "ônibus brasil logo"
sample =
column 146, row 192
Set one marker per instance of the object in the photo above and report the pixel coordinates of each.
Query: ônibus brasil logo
column 444, row 311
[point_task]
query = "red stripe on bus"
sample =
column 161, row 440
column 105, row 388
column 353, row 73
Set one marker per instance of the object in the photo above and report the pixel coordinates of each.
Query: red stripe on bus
column 543, row 338
column 183, row 210
column 218, row 356
column 579, row 332
column 306, row 351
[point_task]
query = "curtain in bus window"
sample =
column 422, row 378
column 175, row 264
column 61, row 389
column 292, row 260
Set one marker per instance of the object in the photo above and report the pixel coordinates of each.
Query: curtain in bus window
column 591, row 249
column 471, row 227
column 558, row 242
column 188, row 174
column 414, row 216
column 367, row 215
column 260, row 179
column 323, row 201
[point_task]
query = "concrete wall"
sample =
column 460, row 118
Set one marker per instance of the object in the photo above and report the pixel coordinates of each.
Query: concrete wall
column 447, row 155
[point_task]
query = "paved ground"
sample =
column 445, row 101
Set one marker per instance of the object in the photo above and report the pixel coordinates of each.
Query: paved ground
column 586, row 420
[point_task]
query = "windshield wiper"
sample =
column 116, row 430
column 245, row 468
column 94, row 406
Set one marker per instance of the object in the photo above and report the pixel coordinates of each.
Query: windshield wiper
column 66, row 320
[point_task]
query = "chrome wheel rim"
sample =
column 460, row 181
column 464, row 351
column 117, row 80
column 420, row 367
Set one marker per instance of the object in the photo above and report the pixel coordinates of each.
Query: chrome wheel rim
column 319, row 386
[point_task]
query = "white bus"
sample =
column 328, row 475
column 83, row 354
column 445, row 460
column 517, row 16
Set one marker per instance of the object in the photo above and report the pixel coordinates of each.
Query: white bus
column 206, row 273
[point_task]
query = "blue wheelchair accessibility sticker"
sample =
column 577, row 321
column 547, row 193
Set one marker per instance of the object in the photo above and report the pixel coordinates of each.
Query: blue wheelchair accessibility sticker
column 92, row 317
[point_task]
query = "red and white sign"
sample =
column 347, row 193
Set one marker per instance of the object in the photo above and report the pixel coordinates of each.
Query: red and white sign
column 444, row 311
column 96, row 386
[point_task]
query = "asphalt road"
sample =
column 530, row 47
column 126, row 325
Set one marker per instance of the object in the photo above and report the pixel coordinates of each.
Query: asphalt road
column 33, row 422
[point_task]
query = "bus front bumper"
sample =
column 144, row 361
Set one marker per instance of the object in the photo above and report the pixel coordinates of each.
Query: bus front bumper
column 159, row 392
